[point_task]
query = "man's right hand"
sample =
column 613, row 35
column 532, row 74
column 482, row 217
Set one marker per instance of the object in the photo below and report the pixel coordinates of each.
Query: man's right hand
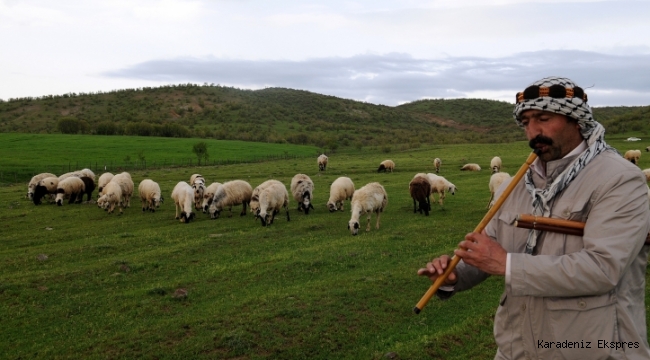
column 436, row 268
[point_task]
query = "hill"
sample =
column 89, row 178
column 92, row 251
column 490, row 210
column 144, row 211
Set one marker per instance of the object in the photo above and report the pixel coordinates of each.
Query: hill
column 279, row 115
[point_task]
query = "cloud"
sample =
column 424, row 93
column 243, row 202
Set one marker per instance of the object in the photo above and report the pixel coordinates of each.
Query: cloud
column 394, row 78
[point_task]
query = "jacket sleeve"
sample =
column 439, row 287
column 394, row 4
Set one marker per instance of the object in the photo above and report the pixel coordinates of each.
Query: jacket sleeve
column 614, row 234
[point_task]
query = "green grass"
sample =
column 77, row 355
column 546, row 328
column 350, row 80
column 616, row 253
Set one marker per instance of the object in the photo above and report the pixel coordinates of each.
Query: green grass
column 303, row 289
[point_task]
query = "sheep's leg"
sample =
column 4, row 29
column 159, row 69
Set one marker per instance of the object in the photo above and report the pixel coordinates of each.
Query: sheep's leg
column 243, row 209
column 414, row 210
column 177, row 217
column 287, row 209
column 378, row 215
column 368, row 223
column 442, row 197
column 490, row 201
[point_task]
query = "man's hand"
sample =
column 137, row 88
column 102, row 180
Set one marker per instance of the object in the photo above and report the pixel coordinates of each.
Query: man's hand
column 484, row 253
column 436, row 268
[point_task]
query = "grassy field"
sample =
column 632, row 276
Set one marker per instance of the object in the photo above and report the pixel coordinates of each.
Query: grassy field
column 78, row 283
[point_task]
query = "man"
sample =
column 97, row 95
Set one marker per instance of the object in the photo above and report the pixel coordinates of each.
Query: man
column 566, row 296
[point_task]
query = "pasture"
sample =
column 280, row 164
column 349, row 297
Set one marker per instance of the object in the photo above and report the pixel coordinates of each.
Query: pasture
column 77, row 282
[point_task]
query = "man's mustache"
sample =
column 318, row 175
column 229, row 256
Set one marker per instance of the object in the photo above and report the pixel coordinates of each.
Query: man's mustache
column 540, row 139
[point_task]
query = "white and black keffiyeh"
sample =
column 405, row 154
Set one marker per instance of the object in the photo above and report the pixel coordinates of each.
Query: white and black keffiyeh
column 561, row 96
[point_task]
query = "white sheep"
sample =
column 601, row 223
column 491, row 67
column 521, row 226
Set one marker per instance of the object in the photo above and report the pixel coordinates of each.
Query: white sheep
column 322, row 162
column 111, row 197
column 495, row 181
column 647, row 174
column 127, row 185
column 197, row 181
column 229, row 194
column 440, row 186
column 341, row 189
column 302, row 189
column 495, row 164
column 437, row 163
column 34, row 182
column 470, row 167
column 183, row 195
column 370, row 198
column 103, row 180
column 46, row 186
column 70, row 188
column 647, row 149
column 633, row 156
column 150, row 195
column 86, row 172
column 272, row 199
column 208, row 194
column 386, row 165
column 254, row 205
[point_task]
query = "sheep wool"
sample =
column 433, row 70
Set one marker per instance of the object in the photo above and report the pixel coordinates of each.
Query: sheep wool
column 229, row 194
column 103, row 180
column 495, row 182
column 272, row 199
column 34, row 182
column 646, row 172
column 495, row 164
column 341, row 189
column 440, row 186
column 633, row 156
column 198, row 186
column 70, row 188
column 322, row 162
column 208, row 194
column 370, row 198
column 386, row 165
column 150, row 195
column 420, row 190
column 126, row 183
column 46, row 186
column 254, row 205
column 302, row 189
column 111, row 197
column 470, row 167
column 183, row 194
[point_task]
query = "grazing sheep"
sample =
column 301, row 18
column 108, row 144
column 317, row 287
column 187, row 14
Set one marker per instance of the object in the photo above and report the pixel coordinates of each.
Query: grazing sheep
column 89, row 186
column 495, row 164
column 228, row 194
column 183, row 194
column 386, row 165
column 198, row 185
column 322, row 162
column 647, row 174
column 150, row 195
column 254, row 205
column 302, row 189
column 495, row 181
column 440, row 186
column 647, row 149
column 470, row 167
column 86, row 172
column 273, row 198
column 633, row 156
column 125, row 182
column 46, row 186
column 72, row 188
column 111, row 197
column 103, row 180
column 370, row 198
column 420, row 190
column 341, row 189
column 208, row 194
column 436, row 163
column 34, row 182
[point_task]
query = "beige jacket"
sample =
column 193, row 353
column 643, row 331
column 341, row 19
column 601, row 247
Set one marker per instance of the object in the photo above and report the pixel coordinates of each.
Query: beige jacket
column 575, row 297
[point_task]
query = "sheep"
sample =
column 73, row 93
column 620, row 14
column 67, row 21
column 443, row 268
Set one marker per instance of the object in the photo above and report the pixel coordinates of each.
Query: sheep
column 89, row 186
column 198, row 185
column 470, row 167
column 341, row 189
column 228, row 194
column 633, row 156
column 370, row 198
column 183, row 194
column 495, row 164
column 103, row 180
column 72, row 188
column 111, row 197
column 44, row 187
column 647, row 174
column 125, row 182
column 322, row 162
column 647, row 149
column 273, row 198
column 150, row 195
column 302, row 189
column 436, row 163
column 495, row 181
column 386, row 165
column 34, row 182
column 86, row 172
column 420, row 190
column 208, row 194
column 254, row 205
column 440, row 185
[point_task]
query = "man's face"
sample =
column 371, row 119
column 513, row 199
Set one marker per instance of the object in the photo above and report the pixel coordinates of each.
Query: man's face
column 553, row 135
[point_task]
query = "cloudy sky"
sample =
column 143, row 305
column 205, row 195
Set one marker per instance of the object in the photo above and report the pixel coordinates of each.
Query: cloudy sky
column 378, row 51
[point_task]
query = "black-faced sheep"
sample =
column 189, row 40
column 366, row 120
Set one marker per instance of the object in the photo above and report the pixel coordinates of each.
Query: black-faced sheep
column 386, row 165
column 70, row 188
column 198, row 186
column 647, row 149
column 495, row 181
column 420, row 190
column 470, row 167
column 495, row 164
column 322, row 162
column 127, row 185
column 46, row 186
column 437, row 163
column 229, row 194
column 255, row 197
column 111, row 197
column 272, row 199
column 341, row 189
column 34, row 182
column 633, row 156
column 103, row 180
column 183, row 195
column 440, row 186
column 208, row 195
column 370, row 198
column 302, row 189
column 150, row 195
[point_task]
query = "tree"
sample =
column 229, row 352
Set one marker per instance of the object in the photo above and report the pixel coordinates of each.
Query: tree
column 201, row 151
column 68, row 125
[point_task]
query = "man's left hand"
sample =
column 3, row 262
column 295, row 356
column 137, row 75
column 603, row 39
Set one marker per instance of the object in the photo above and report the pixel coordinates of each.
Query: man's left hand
column 484, row 253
